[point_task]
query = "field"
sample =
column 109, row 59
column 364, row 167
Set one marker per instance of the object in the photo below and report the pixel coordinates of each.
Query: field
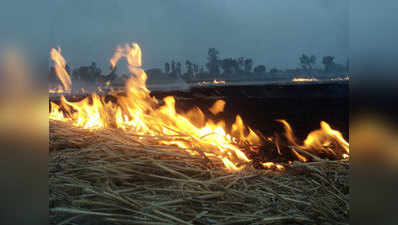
column 107, row 176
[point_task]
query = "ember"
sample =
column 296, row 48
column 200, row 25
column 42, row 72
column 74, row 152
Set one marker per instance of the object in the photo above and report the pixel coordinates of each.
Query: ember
column 211, row 82
column 304, row 79
column 140, row 114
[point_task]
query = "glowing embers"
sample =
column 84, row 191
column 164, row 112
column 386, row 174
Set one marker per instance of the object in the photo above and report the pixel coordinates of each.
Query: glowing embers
column 298, row 79
column 214, row 82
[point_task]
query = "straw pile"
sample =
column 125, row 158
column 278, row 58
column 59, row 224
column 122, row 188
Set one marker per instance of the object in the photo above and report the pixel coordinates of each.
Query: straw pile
column 110, row 177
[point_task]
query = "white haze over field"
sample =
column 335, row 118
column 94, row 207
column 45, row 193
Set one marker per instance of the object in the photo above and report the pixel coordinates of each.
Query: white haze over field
column 274, row 33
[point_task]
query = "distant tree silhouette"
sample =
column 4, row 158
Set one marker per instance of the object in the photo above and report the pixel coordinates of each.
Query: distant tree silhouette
column 173, row 67
column 201, row 69
column 154, row 73
column 274, row 70
column 235, row 65
column 248, row 65
column 68, row 69
column 307, row 61
column 259, row 69
column 241, row 64
column 94, row 70
column 227, row 65
column 328, row 62
column 167, row 68
column 189, row 66
column 87, row 74
column 195, row 68
column 75, row 75
column 112, row 75
column 178, row 68
column 213, row 63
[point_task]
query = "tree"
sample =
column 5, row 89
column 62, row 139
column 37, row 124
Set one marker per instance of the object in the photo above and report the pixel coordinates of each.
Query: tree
column 235, row 65
column 189, row 67
column 213, row 63
column 154, row 73
column 94, row 70
column 304, row 61
column 259, row 69
column 112, row 75
column 87, row 73
column 68, row 69
column 83, row 74
column 173, row 67
column 75, row 74
column 227, row 65
column 201, row 69
column 248, row 65
column 274, row 70
column 167, row 68
column 241, row 64
column 312, row 61
column 307, row 61
column 178, row 68
column 195, row 68
column 328, row 62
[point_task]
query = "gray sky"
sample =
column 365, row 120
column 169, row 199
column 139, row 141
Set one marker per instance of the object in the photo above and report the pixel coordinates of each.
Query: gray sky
column 272, row 32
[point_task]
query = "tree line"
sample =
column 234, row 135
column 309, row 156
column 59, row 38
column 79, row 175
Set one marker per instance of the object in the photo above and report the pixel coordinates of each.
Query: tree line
column 214, row 68
column 217, row 67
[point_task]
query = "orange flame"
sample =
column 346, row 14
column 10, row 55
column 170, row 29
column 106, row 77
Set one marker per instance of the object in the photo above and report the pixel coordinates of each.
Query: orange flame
column 60, row 64
column 304, row 79
column 270, row 165
column 212, row 82
column 217, row 107
column 324, row 139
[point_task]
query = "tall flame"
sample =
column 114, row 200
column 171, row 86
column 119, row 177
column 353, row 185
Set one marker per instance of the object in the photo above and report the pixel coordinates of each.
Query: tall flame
column 60, row 70
column 217, row 107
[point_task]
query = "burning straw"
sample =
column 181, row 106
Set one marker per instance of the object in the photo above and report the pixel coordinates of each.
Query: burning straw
column 107, row 176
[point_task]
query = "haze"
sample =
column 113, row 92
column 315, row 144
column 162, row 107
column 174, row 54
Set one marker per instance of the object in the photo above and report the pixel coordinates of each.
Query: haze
column 274, row 33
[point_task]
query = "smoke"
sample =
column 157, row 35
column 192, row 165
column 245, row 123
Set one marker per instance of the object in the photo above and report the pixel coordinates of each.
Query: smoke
column 273, row 33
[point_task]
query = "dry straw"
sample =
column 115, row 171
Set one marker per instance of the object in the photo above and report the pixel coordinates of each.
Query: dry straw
column 110, row 177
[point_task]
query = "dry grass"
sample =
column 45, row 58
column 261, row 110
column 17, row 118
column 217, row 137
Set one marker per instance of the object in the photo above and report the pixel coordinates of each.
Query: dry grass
column 110, row 177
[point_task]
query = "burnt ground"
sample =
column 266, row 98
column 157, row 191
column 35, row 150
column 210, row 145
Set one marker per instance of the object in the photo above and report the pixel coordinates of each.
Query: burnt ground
column 302, row 105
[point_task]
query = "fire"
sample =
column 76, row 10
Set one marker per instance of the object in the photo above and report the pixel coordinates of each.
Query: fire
column 58, row 90
column 212, row 82
column 271, row 165
column 217, row 107
column 218, row 82
column 341, row 78
column 324, row 140
column 139, row 113
column 60, row 64
column 304, row 79
column 56, row 113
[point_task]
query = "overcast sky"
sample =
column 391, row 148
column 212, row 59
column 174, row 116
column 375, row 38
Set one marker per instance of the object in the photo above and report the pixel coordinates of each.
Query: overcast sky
column 272, row 32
